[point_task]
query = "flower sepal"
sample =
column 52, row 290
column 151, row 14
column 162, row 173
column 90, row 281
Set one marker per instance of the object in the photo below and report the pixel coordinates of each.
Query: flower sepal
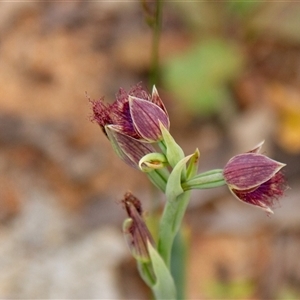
column 255, row 179
column 130, row 150
column 248, row 170
column 146, row 117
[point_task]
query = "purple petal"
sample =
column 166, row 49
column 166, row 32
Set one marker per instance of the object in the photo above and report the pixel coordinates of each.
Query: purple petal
column 139, row 92
column 265, row 195
column 101, row 113
column 157, row 100
column 146, row 117
column 120, row 115
column 129, row 149
column 135, row 230
column 249, row 170
column 257, row 148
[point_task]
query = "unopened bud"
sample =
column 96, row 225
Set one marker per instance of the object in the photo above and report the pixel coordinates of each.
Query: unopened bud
column 136, row 233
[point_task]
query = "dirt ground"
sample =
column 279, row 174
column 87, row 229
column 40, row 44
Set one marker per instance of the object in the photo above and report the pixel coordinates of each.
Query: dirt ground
column 61, row 182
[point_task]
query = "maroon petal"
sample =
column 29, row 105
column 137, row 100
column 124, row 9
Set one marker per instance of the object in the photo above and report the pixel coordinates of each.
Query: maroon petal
column 120, row 115
column 136, row 233
column 101, row 113
column 265, row 195
column 257, row 148
column 147, row 117
column 129, row 149
column 157, row 100
column 139, row 92
column 249, row 170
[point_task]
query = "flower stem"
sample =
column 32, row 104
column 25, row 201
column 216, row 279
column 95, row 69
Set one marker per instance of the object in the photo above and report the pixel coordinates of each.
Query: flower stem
column 170, row 223
column 179, row 262
column 155, row 43
column 159, row 178
column 207, row 180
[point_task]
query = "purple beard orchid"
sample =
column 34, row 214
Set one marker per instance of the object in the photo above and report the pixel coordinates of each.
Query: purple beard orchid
column 137, row 124
column 132, row 122
column 255, row 179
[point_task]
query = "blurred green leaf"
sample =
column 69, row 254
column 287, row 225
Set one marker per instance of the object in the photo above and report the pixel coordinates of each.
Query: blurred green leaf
column 288, row 293
column 229, row 290
column 243, row 8
column 203, row 16
column 199, row 77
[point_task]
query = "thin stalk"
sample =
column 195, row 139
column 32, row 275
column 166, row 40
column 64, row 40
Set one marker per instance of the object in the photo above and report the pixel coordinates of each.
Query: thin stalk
column 179, row 262
column 159, row 178
column 205, row 180
column 170, row 223
column 157, row 24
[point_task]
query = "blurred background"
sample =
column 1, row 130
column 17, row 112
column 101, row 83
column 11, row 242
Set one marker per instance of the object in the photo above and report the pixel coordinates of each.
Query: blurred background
column 230, row 78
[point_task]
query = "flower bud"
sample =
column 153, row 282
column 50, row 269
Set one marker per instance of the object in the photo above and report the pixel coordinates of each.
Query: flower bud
column 132, row 122
column 136, row 233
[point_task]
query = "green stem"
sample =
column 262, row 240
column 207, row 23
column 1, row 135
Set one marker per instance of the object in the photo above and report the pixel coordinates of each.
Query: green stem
column 210, row 172
column 155, row 43
column 170, row 223
column 207, row 180
column 159, row 178
column 179, row 262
